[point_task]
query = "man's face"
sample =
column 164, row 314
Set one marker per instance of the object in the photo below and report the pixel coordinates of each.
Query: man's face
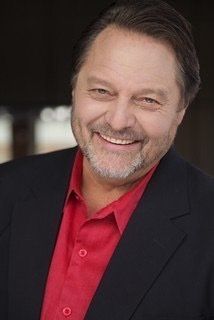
column 126, row 104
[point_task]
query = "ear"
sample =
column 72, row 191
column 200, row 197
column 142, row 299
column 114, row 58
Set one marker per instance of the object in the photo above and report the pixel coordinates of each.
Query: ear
column 72, row 95
column 181, row 114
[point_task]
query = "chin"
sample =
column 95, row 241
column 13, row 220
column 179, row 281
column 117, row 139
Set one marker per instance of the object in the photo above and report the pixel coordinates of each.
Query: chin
column 115, row 167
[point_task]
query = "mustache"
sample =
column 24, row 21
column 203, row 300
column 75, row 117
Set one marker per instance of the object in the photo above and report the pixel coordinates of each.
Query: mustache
column 125, row 133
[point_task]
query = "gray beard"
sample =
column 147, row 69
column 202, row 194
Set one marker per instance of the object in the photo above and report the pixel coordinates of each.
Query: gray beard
column 109, row 172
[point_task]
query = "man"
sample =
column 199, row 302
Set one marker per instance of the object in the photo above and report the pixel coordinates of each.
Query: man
column 121, row 227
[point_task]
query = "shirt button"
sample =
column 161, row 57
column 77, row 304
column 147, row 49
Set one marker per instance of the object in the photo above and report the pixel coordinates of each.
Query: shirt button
column 82, row 253
column 66, row 311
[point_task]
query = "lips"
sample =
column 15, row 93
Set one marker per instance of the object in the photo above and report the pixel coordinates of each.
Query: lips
column 117, row 141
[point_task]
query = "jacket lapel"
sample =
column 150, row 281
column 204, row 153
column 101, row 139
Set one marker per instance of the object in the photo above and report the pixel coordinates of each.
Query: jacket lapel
column 36, row 220
column 147, row 245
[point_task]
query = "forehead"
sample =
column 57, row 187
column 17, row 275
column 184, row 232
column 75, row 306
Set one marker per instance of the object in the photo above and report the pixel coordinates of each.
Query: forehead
column 130, row 58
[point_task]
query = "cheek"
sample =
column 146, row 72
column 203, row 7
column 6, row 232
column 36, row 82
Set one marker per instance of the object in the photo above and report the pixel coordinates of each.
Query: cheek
column 155, row 125
column 87, row 110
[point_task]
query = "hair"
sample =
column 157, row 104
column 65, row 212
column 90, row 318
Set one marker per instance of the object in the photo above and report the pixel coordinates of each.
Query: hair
column 154, row 18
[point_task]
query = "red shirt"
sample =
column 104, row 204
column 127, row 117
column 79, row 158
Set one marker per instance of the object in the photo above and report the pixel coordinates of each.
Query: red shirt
column 84, row 248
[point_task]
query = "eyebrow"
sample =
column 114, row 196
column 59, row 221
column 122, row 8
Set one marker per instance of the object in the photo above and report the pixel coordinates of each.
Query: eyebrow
column 94, row 79
column 158, row 91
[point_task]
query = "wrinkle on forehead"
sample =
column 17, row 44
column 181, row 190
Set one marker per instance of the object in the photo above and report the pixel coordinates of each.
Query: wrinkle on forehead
column 131, row 61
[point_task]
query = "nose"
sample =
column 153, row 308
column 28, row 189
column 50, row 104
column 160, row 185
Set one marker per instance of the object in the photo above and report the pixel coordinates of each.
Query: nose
column 120, row 115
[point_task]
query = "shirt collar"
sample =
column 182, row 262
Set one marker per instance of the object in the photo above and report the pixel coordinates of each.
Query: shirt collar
column 76, row 176
column 126, row 204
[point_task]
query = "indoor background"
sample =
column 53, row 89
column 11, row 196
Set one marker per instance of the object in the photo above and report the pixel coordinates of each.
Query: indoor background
column 35, row 65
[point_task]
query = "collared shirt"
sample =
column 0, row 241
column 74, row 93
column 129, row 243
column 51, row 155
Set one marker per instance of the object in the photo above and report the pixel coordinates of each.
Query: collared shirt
column 84, row 248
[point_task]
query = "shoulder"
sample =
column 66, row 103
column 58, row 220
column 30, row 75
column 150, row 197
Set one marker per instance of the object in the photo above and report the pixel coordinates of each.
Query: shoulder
column 26, row 167
column 16, row 177
column 197, row 179
column 201, row 190
column 188, row 181
column 200, row 194
column 199, row 182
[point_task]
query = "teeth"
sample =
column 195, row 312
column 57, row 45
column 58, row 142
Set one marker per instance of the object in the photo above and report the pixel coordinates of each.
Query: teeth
column 116, row 141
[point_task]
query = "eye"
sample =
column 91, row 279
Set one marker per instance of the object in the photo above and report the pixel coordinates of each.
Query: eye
column 150, row 100
column 99, row 91
column 100, row 94
column 147, row 103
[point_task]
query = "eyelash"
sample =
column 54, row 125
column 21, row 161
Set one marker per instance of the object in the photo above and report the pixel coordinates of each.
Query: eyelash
column 100, row 91
column 147, row 103
column 150, row 100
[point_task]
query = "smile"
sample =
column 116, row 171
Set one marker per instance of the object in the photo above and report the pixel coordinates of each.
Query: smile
column 117, row 141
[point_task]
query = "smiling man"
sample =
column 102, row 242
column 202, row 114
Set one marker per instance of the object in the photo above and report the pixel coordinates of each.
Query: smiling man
column 127, row 107
column 120, row 227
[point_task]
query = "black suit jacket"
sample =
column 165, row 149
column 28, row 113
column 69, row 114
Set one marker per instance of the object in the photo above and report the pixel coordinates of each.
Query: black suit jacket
column 163, row 267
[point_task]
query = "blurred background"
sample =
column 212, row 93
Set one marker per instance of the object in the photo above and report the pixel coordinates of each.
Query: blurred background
column 35, row 66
